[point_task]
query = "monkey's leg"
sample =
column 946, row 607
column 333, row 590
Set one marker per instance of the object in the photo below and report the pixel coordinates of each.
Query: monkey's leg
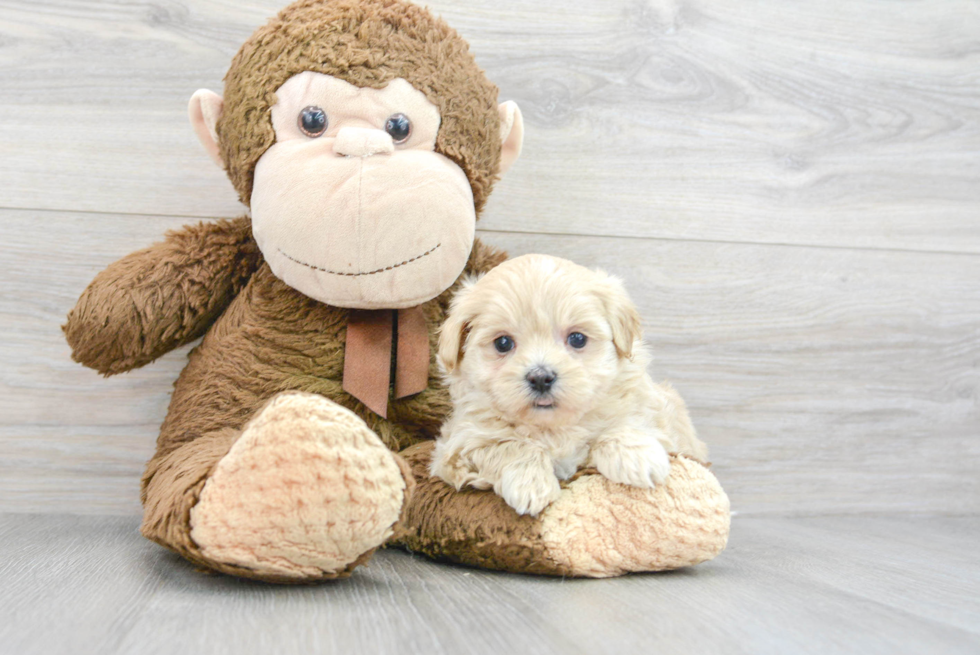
column 304, row 492
column 596, row 528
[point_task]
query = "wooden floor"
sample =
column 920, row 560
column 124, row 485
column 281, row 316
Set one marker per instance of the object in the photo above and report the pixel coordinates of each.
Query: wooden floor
column 84, row 585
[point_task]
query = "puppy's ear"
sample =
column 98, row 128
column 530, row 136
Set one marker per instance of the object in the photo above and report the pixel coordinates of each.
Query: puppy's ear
column 623, row 317
column 452, row 334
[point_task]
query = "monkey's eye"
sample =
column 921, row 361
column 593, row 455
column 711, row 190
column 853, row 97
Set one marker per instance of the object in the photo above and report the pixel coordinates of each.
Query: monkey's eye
column 503, row 344
column 577, row 340
column 312, row 121
column 399, row 127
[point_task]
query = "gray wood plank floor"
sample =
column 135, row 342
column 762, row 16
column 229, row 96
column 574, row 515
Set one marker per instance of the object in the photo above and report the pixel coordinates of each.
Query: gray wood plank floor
column 866, row 585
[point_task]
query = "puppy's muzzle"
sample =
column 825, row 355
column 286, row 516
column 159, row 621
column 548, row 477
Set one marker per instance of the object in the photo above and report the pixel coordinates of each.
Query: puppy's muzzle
column 541, row 379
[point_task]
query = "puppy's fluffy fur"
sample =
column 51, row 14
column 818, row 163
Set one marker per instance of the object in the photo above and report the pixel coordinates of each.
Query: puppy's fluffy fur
column 533, row 403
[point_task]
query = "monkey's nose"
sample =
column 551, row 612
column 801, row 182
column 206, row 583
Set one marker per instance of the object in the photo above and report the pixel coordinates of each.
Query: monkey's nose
column 362, row 142
column 540, row 379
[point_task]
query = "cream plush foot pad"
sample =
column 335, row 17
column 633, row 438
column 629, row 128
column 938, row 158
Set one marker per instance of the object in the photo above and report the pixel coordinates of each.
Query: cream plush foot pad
column 602, row 529
column 305, row 491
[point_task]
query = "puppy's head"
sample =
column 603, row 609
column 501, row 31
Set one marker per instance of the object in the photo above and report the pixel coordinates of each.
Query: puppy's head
column 539, row 338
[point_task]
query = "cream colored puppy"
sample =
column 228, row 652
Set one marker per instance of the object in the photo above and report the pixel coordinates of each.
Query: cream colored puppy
column 547, row 372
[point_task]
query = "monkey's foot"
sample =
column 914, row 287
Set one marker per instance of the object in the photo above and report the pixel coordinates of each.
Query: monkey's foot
column 596, row 528
column 307, row 492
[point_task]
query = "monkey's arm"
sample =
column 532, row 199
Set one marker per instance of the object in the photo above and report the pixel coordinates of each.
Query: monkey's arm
column 161, row 297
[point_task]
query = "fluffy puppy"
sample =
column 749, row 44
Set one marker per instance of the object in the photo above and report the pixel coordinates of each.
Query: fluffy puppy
column 547, row 372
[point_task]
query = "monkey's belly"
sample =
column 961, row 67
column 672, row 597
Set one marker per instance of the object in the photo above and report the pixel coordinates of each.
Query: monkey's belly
column 274, row 339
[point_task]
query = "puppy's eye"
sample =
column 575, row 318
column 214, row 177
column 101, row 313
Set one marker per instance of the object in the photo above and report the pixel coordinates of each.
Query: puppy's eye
column 399, row 127
column 577, row 340
column 312, row 121
column 503, row 344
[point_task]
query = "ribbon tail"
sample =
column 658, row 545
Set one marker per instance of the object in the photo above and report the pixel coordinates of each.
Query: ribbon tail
column 412, row 366
column 367, row 358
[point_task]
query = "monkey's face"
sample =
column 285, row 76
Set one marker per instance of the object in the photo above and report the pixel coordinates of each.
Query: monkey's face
column 352, row 205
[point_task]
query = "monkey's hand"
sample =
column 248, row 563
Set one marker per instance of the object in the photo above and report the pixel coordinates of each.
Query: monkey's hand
column 161, row 297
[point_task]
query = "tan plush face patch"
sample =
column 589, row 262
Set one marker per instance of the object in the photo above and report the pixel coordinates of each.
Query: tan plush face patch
column 352, row 206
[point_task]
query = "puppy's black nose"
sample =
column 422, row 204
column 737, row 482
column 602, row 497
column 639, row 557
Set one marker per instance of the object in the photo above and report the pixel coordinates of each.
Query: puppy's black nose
column 540, row 379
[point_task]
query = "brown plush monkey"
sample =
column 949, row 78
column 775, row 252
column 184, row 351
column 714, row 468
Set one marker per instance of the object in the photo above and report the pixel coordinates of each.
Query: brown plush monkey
column 365, row 141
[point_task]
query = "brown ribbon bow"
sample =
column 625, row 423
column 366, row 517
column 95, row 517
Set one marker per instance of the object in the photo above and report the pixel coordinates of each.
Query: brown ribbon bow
column 367, row 359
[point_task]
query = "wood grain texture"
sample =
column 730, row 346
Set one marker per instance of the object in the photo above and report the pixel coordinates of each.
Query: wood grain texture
column 831, row 123
column 826, row 585
column 825, row 380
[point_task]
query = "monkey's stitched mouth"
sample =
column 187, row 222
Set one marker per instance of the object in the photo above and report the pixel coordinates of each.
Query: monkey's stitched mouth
column 379, row 270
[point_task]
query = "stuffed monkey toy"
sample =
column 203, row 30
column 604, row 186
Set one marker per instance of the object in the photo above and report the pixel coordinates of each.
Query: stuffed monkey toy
column 365, row 140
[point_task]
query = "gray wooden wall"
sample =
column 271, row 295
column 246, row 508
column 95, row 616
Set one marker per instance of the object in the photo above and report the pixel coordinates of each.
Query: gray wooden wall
column 790, row 188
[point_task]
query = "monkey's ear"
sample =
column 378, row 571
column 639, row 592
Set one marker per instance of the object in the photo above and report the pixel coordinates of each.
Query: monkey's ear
column 511, row 134
column 204, row 110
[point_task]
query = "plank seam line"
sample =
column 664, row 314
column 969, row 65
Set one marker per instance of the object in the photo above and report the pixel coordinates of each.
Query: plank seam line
column 778, row 244
column 637, row 237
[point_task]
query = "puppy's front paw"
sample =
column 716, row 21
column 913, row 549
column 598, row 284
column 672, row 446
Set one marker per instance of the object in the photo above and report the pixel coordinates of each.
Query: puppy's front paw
column 526, row 489
column 638, row 463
